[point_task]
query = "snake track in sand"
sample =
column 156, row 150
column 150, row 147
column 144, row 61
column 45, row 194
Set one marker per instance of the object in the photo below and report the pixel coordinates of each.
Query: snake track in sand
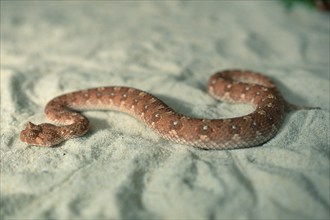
column 232, row 86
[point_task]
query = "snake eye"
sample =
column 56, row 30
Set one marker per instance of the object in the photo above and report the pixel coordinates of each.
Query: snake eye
column 33, row 134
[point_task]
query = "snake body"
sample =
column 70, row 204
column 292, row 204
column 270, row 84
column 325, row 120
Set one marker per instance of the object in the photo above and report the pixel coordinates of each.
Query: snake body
column 231, row 86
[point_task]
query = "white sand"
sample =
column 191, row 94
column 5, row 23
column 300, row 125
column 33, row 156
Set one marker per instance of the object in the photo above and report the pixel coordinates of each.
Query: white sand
column 123, row 170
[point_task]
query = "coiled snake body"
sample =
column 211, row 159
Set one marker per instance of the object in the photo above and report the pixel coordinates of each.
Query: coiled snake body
column 231, row 86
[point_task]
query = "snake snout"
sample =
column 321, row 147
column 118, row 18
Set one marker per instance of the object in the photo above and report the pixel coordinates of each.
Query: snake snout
column 30, row 133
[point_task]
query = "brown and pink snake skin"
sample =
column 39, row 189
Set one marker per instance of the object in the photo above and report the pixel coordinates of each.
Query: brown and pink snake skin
column 232, row 86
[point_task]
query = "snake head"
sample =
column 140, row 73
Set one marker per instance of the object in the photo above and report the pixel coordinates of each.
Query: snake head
column 39, row 135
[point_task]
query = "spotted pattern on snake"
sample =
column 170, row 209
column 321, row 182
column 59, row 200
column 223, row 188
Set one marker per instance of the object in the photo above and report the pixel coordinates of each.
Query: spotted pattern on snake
column 236, row 86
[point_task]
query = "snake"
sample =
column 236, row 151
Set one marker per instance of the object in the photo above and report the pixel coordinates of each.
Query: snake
column 233, row 86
